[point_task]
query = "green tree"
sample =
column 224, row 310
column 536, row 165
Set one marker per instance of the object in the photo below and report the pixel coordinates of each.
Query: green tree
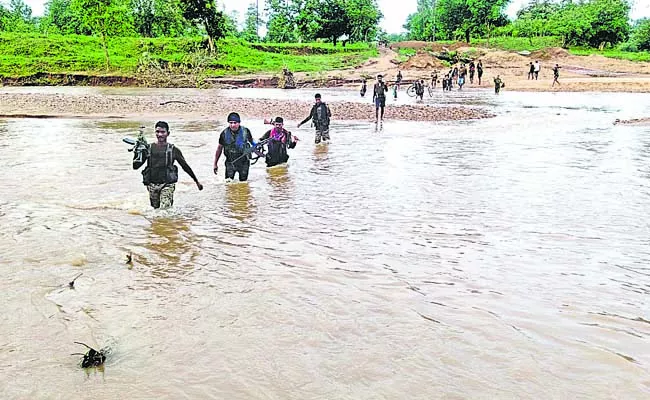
column 230, row 25
column 4, row 17
column 486, row 13
column 307, row 18
column 539, row 9
column 364, row 17
column 104, row 18
column 335, row 21
column 205, row 12
column 280, row 25
column 641, row 34
column 250, row 32
column 421, row 25
column 455, row 19
column 144, row 13
column 610, row 21
column 60, row 18
column 19, row 17
column 594, row 23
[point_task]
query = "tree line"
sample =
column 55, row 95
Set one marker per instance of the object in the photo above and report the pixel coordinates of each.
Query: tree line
column 594, row 23
column 286, row 20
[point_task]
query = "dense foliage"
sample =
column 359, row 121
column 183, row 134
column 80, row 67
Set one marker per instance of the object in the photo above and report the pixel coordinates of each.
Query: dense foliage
column 593, row 23
column 306, row 20
column 287, row 20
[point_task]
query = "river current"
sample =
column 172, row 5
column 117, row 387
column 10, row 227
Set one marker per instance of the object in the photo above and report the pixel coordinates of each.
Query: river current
column 501, row 258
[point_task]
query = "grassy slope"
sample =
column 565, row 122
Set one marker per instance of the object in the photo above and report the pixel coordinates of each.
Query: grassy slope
column 22, row 55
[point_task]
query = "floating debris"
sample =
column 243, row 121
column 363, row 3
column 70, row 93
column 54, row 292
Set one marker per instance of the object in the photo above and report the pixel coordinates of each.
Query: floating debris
column 71, row 283
column 92, row 358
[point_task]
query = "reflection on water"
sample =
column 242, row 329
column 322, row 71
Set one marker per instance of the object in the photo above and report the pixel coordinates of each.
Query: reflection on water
column 239, row 200
column 279, row 179
column 502, row 258
column 171, row 247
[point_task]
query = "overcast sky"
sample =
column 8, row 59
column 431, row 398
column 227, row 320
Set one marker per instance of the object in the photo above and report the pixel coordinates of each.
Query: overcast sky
column 395, row 11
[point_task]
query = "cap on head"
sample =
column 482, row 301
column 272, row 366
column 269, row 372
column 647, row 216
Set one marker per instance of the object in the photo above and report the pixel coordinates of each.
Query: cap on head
column 234, row 117
column 317, row 96
column 278, row 120
column 380, row 76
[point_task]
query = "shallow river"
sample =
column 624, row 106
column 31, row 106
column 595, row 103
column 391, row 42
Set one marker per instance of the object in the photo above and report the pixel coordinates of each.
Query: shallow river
column 504, row 258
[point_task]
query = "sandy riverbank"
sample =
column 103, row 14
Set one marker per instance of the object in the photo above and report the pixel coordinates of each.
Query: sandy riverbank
column 210, row 107
column 592, row 73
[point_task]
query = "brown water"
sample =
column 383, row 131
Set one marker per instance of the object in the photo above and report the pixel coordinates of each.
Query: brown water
column 503, row 258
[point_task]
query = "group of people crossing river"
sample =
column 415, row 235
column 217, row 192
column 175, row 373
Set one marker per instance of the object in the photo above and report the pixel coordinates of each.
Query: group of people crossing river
column 236, row 144
column 457, row 75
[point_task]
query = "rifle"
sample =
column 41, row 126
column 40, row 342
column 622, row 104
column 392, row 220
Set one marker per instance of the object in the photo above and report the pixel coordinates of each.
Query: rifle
column 256, row 148
column 140, row 146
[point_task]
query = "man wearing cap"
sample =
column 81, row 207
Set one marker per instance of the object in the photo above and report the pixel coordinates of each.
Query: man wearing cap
column 233, row 142
column 379, row 97
column 280, row 140
column 321, row 114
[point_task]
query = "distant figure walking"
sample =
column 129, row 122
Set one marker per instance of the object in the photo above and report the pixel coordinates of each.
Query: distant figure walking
column 531, row 71
column 479, row 70
column 498, row 84
column 556, row 75
column 472, row 70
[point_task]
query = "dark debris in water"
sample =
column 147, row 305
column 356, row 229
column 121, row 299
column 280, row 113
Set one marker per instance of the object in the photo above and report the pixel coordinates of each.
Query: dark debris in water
column 92, row 358
column 71, row 283
column 429, row 318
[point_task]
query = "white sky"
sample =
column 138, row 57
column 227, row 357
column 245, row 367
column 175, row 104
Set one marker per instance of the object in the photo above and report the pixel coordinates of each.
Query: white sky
column 395, row 11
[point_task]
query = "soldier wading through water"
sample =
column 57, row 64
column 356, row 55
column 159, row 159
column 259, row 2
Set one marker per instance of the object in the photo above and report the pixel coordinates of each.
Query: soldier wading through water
column 235, row 142
column 160, row 175
column 320, row 113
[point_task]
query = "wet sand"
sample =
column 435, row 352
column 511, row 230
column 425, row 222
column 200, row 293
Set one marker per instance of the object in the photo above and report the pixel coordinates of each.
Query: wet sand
column 211, row 107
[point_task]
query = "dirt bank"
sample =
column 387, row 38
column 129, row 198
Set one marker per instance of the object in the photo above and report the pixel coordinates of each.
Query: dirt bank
column 210, row 107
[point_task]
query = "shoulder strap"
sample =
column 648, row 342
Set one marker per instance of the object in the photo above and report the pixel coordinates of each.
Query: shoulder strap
column 169, row 155
column 229, row 137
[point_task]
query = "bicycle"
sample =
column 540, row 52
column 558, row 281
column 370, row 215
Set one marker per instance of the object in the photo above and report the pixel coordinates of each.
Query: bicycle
column 411, row 90
column 430, row 89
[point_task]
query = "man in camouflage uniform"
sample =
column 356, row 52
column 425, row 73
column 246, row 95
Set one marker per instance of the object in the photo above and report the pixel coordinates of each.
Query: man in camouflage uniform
column 160, row 175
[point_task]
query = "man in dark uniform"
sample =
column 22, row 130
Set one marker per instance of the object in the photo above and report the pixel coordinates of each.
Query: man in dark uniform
column 233, row 142
column 281, row 140
column 379, row 97
column 320, row 113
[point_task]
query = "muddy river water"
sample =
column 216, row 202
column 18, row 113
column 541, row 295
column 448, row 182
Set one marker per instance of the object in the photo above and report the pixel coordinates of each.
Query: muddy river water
column 502, row 258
